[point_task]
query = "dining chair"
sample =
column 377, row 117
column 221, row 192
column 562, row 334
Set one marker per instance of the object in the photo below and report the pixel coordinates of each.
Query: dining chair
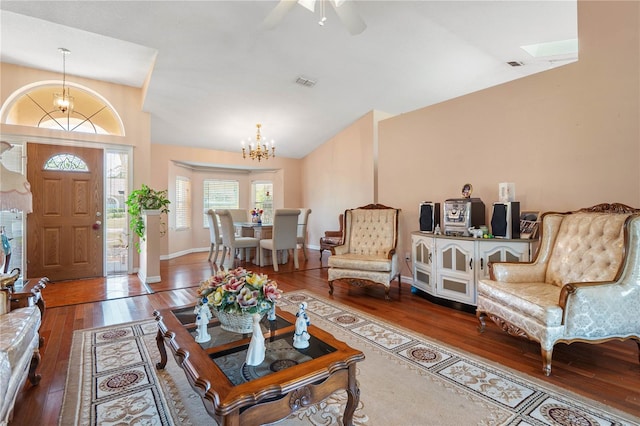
column 214, row 233
column 231, row 242
column 240, row 216
column 332, row 238
column 284, row 236
column 302, row 230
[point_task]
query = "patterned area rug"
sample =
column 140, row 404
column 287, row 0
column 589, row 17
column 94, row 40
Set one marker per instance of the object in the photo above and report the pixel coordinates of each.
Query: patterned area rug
column 406, row 379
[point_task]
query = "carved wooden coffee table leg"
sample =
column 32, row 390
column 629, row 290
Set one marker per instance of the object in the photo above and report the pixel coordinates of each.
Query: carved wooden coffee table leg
column 162, row 350
column 353, row 397
column 160, row 343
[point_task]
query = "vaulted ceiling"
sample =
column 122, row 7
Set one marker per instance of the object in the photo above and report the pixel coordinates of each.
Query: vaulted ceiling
column 215, row 70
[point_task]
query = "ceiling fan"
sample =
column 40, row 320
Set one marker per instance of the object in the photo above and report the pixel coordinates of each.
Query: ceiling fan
column 345, row 9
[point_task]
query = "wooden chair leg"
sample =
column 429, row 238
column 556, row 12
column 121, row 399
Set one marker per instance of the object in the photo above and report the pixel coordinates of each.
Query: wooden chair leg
column 481, row 316
column 546, row 361
column 215, row 249
column 224, row 255
column 35, row 361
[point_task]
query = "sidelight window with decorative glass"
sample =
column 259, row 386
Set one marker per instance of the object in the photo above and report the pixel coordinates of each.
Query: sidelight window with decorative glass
column 258, row 149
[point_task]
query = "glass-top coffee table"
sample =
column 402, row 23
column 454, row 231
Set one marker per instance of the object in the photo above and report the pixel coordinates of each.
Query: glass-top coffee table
column 288, row 379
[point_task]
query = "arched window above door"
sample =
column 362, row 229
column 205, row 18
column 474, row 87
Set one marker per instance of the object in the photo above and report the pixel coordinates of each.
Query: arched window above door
column 33, row 106
column 67, row 163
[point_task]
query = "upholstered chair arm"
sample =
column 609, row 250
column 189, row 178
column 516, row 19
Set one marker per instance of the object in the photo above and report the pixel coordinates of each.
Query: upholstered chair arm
column 21, row 300
column 333, row 233
column 343, row 249
column 513, row 272
column 535, row 271
column 597, row 306
column 391, row 253
column 608, row 303
column 5, row 306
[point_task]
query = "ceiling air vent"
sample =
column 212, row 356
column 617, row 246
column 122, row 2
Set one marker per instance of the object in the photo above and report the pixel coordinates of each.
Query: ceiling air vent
column 515, row 63
column 304, row 81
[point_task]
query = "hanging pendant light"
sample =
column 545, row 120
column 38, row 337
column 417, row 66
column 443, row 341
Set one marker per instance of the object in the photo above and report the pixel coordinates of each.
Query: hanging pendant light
column 63, row 101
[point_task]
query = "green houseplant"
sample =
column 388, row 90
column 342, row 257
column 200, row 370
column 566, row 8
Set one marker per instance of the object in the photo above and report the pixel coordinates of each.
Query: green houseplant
column 141, row 199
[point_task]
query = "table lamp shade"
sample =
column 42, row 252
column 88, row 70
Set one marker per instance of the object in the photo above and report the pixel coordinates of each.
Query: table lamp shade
column 15, row 191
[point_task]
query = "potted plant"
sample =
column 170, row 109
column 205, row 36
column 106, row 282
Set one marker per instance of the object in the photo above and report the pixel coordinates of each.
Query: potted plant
column 142, row 199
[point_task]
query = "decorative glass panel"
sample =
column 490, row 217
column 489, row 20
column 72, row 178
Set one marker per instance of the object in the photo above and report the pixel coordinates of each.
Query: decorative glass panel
column 461, row 261
column 510, row 257
column 67, row 163
column 455, row 286
column 447, row 259
column 423, row 277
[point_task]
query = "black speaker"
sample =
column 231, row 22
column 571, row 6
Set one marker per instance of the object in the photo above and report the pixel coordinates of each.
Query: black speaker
column 429, row 216
column 505, row 219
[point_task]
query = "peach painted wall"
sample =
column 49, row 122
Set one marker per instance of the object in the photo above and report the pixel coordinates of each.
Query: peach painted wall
column 339, row 175
column 568, row 138
column 284, row 172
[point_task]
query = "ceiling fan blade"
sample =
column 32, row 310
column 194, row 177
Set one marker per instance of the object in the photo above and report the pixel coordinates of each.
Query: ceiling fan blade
column 348, row 14
column 277, row 14
column 310, row 5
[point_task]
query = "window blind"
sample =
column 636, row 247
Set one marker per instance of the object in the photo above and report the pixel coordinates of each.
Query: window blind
column 220, row 194
column 183, row 202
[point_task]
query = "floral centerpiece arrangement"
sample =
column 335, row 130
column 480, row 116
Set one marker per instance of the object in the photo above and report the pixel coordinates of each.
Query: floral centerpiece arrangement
column 235, row 295
column 256, row 215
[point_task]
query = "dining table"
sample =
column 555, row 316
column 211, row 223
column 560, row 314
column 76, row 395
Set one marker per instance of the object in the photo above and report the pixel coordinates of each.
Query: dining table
column 261, row 231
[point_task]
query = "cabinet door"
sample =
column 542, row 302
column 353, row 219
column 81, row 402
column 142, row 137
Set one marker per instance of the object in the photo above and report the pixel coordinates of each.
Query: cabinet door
column 455, row 278
column 423, row 257
column 499, row 251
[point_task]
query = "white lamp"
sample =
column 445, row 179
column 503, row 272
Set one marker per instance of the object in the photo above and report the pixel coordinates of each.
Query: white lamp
column 15, row 191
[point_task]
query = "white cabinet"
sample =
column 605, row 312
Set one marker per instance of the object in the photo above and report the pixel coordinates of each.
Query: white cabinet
column 454, row 271
column 449, row 267
column 423, row 260
column 498, row 250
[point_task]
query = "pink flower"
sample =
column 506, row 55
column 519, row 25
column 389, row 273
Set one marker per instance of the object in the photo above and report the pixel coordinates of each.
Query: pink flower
column 217, row 280
column 234, row 284
column 271, row 291
column 248, row 298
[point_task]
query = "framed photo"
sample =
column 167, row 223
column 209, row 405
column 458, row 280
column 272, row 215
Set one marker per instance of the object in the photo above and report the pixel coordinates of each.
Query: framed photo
column 529, row 223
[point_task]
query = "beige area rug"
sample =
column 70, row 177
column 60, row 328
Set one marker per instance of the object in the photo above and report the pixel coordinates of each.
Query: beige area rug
column 406, row 379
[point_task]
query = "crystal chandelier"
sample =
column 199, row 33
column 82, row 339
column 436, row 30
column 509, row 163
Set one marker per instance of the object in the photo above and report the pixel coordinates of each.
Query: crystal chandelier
column 63, row 101
column 258, row 149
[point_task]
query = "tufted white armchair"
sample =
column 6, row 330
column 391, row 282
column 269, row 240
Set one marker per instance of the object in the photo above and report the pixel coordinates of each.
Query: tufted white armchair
column 20, row 318
column 583, row 286
column 368, row 253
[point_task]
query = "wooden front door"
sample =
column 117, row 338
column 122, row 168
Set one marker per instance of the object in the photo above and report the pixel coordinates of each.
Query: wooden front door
column 64, row 232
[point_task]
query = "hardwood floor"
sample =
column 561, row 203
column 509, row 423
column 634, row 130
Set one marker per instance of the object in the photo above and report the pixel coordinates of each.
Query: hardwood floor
column 609, row 372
